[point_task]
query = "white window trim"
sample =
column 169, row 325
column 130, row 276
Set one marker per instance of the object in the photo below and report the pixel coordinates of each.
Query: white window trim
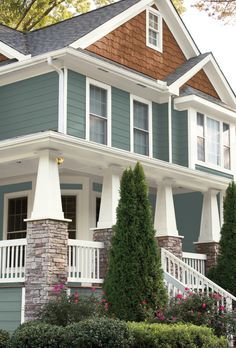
column 207, row 164
column 10, row 195
column 152, row 10
column 108, row 88
column 149, row 103
column 78, row 204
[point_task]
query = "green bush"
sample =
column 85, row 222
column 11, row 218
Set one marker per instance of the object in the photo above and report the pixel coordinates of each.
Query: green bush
column 174, row 336
column 4, row 338
column 37, row 335
column 99, row 332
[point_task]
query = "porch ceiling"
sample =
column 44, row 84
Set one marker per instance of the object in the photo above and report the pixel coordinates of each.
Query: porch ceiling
column 19, row 157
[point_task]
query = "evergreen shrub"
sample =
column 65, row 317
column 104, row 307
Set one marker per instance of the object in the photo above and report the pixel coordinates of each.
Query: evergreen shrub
column 4, row 338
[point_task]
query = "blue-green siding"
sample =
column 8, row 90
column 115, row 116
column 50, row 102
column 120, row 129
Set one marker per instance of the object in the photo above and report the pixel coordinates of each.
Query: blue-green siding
column 160, row 131
column 188, row 209
column 120, row 119
column 180, row 137
column 10, row 308
column 8, row 189
column 213, row 171
column 71, row 187
column 29, row 106
column 76, row 104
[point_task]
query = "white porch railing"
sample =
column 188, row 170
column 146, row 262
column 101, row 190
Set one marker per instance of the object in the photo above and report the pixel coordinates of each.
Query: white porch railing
column 84, row 261
column 12, row 260
column 196, row 261
column 184, row 275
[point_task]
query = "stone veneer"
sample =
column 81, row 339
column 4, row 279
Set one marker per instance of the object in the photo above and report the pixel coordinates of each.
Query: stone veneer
column 46, row 262
column 211, row 249
column 105, row 236
column 172, row 244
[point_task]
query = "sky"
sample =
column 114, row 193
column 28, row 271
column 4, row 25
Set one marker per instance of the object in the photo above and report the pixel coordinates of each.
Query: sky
column 213, row 35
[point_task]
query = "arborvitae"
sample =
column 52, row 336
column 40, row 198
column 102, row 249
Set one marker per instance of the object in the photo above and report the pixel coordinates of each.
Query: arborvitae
column 224, row 273
column 134, row 282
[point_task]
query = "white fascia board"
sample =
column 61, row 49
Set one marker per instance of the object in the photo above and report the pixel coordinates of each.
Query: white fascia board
column 111, row 25
column 177, row 28
column 11, row 53
column 204, row 106
column 189, row 74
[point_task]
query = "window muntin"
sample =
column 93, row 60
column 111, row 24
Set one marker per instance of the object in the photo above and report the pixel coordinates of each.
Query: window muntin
column 154, row 29
column 141, row 127
column 213, row 141
column 98, row 111
column 69, row 209
column 17, row 212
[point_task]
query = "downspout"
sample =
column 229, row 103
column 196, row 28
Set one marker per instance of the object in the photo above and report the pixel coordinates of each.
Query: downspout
column 61, row 116
column 170, row 127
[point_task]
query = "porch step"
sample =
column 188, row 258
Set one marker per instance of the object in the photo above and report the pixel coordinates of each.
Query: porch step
column 178, row 276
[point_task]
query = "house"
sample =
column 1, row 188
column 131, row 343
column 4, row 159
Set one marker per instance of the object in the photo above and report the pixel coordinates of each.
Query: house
column 80, row 101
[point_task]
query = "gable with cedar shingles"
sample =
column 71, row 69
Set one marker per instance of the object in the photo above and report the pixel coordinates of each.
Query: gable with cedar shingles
column 3, row 58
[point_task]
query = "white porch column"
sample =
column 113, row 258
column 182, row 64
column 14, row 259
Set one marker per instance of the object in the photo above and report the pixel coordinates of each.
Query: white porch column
column 165, row 221
column 210, row 220
column 110, row 199
column 47, row 198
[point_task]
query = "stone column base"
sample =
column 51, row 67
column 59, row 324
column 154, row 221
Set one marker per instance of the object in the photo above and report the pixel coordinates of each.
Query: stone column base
column 103, row 235
column 211, row 249
column 172, row 244
column 46, row 263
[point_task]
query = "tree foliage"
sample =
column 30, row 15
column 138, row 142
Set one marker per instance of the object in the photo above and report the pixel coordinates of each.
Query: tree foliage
column 224, row 273
column 219, row 9
column 134, row 282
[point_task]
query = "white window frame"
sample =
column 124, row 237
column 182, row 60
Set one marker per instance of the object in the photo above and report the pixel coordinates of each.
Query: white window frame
column 11, row 195
column 149, row 103
column 209, row 164
column 155, row 12
column 102, row 85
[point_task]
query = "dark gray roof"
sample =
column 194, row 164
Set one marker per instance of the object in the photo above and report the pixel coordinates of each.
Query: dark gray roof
column 184, row 68
column 187, row 90
column 13, row 38
column 62, row 34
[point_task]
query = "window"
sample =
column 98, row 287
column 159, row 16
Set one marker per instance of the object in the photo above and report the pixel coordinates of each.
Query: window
column 212, row 135
column 154, row 29
column 69, row 209
column 141, row 127
column 17, row 212
column 98, row 120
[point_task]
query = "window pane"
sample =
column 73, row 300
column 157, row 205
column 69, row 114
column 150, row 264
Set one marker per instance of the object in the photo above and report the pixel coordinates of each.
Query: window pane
column 98, row 101
column 226, row 136
column 69, row 209
column 153, row 37
column 98, row 130
column 213, row 141
column 140, row 115
column 141, row 142
column 200, row 125
column 17, row 212
column 153, row 21
column 98, row 205
column 226, row 157
column 201, row 149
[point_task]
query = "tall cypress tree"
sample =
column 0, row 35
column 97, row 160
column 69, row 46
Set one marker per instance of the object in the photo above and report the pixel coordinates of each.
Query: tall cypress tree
column 224, row 273
column 134, row 282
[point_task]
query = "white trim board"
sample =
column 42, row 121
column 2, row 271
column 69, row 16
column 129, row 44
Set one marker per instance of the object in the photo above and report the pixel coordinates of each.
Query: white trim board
column 11, row 53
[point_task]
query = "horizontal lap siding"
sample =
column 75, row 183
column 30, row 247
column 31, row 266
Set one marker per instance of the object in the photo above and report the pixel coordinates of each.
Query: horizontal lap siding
column 10, row 308
column 180, row 137
column 76, row 104
column 120, row 119
column 160, row 131
column 29, row 106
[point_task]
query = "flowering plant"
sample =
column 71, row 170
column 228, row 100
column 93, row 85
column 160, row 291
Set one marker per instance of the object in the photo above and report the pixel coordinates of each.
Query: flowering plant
column 200, row 309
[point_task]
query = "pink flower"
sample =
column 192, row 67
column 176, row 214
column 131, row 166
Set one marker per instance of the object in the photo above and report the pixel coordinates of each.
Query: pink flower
column 144, row 302
column 76, row 297
column 204, row 305
column 186, row 289
column 217, row 297
column 93, row 289
column 221, row 308
column 106, row 306
column 179, row 296
column 58, row 287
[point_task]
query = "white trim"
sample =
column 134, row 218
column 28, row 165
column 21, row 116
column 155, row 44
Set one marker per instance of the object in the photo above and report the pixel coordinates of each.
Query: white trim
column 89, row 82
column 17, row 194
column 156, row 13
column 65, row 99
column 11, row 53
column 22, row 317
column 170, row 128
column 150, row 133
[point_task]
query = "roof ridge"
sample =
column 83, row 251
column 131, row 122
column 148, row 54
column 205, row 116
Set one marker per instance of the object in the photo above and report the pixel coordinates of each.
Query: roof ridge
column 6, row 26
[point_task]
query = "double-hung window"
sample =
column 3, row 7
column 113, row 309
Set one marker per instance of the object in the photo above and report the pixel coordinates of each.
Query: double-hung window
column 17, row 212
column 98, row 118
column 141, row 124
column 69, row 208
column 154, row 29
column 213, row 141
